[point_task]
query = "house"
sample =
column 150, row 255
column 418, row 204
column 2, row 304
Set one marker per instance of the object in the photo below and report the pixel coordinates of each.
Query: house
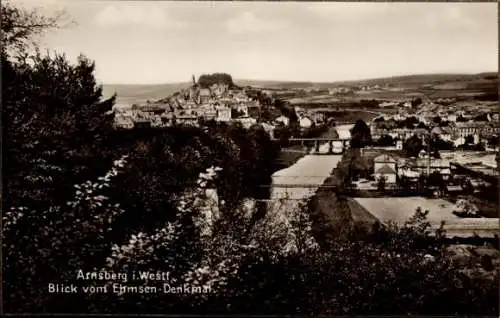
column 243, row 108
column 447, row 133
column 305, row 122
column 399, row 144
column 205, row 95
column 410, row 174
column 451, row 118
column 219, row 89
column 283, row 119
column 454, row 189
column 124, row 122
column 209, row 114
column 269, row 129
column 459, row 141
column 437, row 131
column 495, row 116
column 223, row 113
column 386, row 172
column 388, row 104
column 187, row 119
column 167, row 120
column 383, row 160
column 466, row 129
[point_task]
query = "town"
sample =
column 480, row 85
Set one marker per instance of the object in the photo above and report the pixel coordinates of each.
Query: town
column 307, row 158
column 451, row 142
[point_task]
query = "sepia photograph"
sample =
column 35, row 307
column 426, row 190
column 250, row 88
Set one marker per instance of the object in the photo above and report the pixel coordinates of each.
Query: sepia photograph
column 250, row 158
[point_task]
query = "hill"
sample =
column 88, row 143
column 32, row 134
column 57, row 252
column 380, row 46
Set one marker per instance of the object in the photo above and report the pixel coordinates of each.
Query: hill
column 404, row 80
column 452, row 83
column 128, row 94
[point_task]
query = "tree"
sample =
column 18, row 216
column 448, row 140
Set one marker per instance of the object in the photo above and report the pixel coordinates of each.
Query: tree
column 416, row 102
column 381, row 182
column 207, row 80
column 482, row 117
column 54, row 129
column 435, row 179
column 360, row 135
column 493, row 141
column 413, row 146
column 386, row 141
column 21, row 27
column 422, row 125
column 235, row 113
column 437, row 120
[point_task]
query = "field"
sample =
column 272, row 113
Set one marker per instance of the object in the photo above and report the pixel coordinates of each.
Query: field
column 400, row 210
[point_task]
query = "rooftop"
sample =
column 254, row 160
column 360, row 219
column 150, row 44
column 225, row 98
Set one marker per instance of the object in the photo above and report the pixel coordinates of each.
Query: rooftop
column 384, row 159
column 385, row 169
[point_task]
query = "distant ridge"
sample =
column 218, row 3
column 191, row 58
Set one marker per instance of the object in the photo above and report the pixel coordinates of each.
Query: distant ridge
column 139, row 93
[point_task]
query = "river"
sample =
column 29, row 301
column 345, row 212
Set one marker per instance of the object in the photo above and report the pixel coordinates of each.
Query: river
column 310, row 170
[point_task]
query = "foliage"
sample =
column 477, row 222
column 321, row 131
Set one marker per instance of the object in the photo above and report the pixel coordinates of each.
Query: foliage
column 416, row 102
column 360, row 135
column 437, row 143
column 45, row 246
column 494, row 141
column 381, row 183
column 412, row 146
column 21, row 27
column 53, row 129
column 207, row 80
column 482, row 117
column 386, row 141
column 408, row 122
column 166, row 205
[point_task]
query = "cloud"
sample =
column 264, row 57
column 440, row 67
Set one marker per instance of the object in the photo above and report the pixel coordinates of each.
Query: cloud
column 139, row 15
column 451, row 17
column 349, row 10
column 247, row 22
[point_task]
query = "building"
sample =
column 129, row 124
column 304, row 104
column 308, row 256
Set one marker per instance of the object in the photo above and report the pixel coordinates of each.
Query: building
column 386, row 172
column 447, row 133
column 205, row 95
column 247, row 122
column 223, row 113
column 283, row 119
column 305, row 122
column 242, row 108
column 383, row 160
column 209, row 114
column 399, row 144
column 451, row 118
column 466, row 129
column 187, row 119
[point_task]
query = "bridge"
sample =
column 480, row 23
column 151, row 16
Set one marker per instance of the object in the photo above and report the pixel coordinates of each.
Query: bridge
column 342, row 144
column 298, row 185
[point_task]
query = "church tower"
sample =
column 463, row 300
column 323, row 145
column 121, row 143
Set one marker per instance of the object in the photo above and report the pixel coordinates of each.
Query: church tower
column 194, row 80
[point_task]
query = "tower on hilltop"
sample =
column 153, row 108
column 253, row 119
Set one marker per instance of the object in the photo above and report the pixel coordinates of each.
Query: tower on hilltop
column 194, row 80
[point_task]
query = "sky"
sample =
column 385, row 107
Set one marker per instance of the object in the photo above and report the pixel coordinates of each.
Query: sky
column 148, row 42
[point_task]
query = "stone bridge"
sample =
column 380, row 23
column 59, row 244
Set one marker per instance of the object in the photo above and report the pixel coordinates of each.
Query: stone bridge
column 322, row 145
